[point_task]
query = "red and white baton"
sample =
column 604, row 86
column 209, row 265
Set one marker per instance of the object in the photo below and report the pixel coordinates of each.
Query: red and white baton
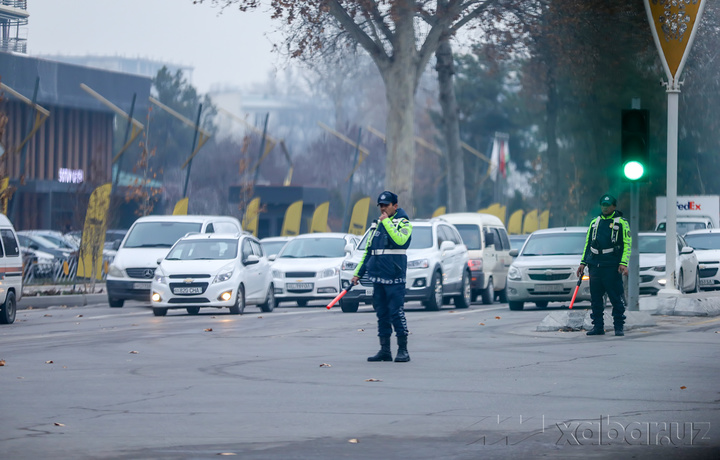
column 339, row 296
column 580, row 278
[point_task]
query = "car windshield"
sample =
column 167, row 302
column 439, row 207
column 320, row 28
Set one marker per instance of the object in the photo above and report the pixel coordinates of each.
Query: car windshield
column 651, row 244
column 59, row 242
column 204, row 250
column 555, row 244
column 516, row 241
column 159, row 234
column 272, row 247
column 703, row 240
column 684, row 227
column 470, row 235
column 314, row 248
column 421, row 238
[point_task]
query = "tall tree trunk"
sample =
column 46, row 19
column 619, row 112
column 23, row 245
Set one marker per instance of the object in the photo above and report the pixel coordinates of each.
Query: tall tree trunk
column 456, row 199
column 552, row 145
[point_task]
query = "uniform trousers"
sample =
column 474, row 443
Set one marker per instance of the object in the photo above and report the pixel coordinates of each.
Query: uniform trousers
column 388, row 300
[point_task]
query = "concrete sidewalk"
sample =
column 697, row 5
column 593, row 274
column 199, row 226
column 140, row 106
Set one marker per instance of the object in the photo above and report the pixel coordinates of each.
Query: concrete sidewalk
column 46, row 295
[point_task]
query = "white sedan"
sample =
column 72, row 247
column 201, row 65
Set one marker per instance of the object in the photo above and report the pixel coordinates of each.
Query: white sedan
column 707, row 248
column 652, row 264
column 308, row 267
column 213, row 270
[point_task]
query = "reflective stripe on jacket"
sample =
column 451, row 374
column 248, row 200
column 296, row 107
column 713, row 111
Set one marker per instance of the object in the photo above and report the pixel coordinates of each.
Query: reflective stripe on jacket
column 608, row 241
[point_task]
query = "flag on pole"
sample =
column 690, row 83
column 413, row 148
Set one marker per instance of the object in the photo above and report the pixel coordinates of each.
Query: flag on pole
column 504, row 157
column 494, row 159
column 500, row 156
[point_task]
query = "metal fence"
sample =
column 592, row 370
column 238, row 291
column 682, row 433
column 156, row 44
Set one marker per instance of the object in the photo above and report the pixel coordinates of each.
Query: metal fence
column 56, row 272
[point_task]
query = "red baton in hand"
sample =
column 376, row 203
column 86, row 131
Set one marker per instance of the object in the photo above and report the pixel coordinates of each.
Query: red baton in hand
column 576, row 289
column 339, row 296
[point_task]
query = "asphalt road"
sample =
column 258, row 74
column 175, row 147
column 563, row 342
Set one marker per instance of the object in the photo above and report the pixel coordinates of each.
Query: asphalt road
column 99, row 383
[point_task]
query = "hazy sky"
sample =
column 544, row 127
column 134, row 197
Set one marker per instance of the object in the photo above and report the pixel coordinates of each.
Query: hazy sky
column 228, row 48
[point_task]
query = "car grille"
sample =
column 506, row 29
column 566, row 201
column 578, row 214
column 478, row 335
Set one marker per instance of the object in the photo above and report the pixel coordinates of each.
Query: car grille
column 188, row 300
column 708, row 272
column 142, row 273
column 548, row 277
column 646, row 278
column 300, row 275
column 203, row 287
column 189, row 276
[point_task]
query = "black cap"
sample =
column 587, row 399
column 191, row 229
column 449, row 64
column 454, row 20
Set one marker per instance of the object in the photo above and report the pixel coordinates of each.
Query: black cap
column 387, row 198
column 608, row 199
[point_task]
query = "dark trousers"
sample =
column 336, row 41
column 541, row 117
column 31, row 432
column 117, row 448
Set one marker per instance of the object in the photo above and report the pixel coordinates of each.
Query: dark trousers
column 607, row 280
column 388, row 300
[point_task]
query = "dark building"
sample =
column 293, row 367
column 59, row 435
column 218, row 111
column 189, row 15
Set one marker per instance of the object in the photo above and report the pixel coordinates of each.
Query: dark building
column 72, row 151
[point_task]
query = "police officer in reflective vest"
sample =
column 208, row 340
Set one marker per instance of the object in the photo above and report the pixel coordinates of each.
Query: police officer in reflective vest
column 606, row 254
column 385, row 263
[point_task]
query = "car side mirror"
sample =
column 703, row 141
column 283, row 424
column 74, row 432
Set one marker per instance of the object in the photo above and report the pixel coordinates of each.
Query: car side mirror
column 348, row 248
column 514, row 252
column 272, row 257
column 687, row 250
column 116, row 244
column 159, row 261
column 447, row 245
column 251, row 259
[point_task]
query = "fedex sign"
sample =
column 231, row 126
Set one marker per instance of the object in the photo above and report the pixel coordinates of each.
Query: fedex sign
column 689, row 206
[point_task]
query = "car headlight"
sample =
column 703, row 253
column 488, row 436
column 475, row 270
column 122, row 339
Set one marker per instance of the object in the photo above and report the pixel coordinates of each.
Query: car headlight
column 329, row 272
column 160, row 277
column 277, row 274
column 420, row 263
column 114, row 270
column 659, row 268
column 514, row 273
column 348, row 265
column 225, row 274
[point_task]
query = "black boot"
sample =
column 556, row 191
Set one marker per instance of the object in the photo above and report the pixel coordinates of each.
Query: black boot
column 619, row 330
column 598, row 324
column 402, row 354
column 384, row 354
column 596, row 330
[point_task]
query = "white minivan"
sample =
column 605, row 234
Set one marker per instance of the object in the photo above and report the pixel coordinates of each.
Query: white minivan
column 149, row 239
column 489, row 246
column 11, row 271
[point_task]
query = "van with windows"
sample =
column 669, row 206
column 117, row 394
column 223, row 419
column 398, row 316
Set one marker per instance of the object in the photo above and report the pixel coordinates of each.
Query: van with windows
column 150, row 238
column 489, row 246
column 11, row 271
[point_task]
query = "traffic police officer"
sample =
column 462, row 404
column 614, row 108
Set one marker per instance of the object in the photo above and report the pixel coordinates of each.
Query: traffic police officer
column 385, row 263
column 607, row 252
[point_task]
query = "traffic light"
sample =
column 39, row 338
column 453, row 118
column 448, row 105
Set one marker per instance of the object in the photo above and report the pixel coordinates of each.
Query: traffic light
column 635, row 143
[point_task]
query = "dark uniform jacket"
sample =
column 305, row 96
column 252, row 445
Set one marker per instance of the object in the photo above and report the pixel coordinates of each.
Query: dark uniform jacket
column 608, row 241
column 384, row 258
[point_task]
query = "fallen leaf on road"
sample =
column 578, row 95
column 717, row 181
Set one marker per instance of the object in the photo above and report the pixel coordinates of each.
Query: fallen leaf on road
column 482, row 324
column 497, row 317
column 353, row 441
column 133, row 352
column 259, row 317
column 227, row 453
column 58, row 424
column 79, row 316
column 361, row 330
column 48, row 362
column 373, row 380
column 208, row 330
column 47, row 316
column 30, row 308
column 683, row 387
column 2, row 362
column 325, row 365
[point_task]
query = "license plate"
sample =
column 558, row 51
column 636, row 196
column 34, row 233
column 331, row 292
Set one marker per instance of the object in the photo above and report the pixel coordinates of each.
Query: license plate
column 187, row 290
column 300, row 285
column 548, row 288
column 706, row 281
column 141, row 286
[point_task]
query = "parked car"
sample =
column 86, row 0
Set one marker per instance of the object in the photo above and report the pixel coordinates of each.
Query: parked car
column 34, row 241
column 517, row 241
column 11, row 264
column 213, row 270
column 56, row 237
column 307, row 268
column 149, row 239
column 706, row 244
column 545, row 268
column 489, row 248
column 437, row 268
column 652, row 264
column 273, row 244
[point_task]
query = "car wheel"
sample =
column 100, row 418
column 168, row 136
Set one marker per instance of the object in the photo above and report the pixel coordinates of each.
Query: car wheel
column 502, row 295
column 302, row 303
column 193, row 310
column 541, row 304
column 434, row 302
column 8, row 309
column 269, row 304
column 463, row 300
column 488, row 295
column 239, row 306
column 349, row 306
column 159, row 311
column 516, row 306
column 696, row 287
column 116, row 303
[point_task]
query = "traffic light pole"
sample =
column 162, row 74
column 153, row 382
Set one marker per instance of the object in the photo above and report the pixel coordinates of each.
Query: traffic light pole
column 634, row 268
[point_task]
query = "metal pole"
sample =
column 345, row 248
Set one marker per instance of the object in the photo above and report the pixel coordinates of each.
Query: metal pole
column 262, row 148
column 346, row 219
column 671, row 229
column 127, row 134
column 192, row 149
column 633, row 275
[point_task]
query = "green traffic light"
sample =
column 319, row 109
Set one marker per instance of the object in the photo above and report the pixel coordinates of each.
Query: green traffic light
column 633, row 170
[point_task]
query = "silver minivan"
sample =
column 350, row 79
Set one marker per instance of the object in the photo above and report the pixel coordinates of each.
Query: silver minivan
column 149, row 239
column 489, row 247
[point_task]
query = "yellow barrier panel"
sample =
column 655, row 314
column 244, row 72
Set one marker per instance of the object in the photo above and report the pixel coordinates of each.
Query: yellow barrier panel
column 440, row 211
column 531, row 221
column 319, row 220
column 181, row 207
column 93, row 236
column 514, row 226
column 544, row 219
column 250, row 220
column 3, row 200
column 358, row 220
column 291, row 223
